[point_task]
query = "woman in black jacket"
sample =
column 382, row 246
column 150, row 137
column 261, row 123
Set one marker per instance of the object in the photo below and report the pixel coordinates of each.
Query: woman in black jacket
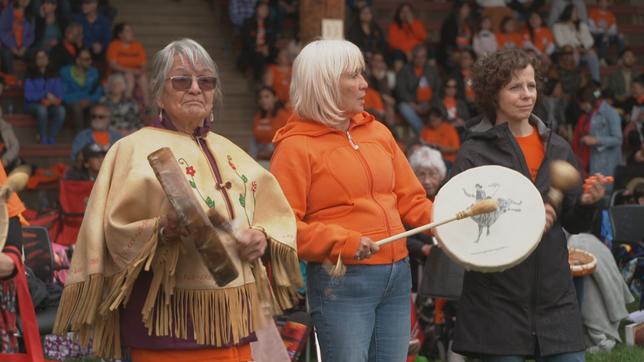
column 530, row 310
column 366, row 33
column 258, row 38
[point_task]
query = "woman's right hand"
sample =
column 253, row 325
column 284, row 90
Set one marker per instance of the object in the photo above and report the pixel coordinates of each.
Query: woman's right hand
column 366, row 248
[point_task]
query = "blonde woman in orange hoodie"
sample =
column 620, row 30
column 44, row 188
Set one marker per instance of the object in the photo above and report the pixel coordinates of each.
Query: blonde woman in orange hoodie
column 349, row 184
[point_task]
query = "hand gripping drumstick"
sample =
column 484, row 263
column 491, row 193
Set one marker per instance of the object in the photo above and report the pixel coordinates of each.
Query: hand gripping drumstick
column 480, row 207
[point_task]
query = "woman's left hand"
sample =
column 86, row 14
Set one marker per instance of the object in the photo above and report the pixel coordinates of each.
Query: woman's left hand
column 593, row 189
column 251, row 244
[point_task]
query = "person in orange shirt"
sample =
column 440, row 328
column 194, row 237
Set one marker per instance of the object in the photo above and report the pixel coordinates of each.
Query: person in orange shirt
column 278, row 75
column 509, row 37
column 441, row 135
column 349, row 184
column 417, row 85
column 539, row 37
column 603, row 27
column 127, row 55
column 498, row 318
column 406, row 32
column 453, row 107
column 271, row 116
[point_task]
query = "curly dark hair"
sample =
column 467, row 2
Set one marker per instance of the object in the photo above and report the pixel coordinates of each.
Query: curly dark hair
column 494, row 71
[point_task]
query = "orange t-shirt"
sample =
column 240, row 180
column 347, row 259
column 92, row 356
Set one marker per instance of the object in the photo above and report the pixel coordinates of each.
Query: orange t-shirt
column 15, row 207
column 101, row 137
column 450, row 106
column 407, row 37
column 603, row 19
column 373, row 100
column 131, row 56
column 424, row 91
column 511, row 40
column 264, row 128
column 542, row 38
column 533, row 151
column 444, row 136
column 18, row 18
column 281, row 82
column 231, row 354
column 468, row 84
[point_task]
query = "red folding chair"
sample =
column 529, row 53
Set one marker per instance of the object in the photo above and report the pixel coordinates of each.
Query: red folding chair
column 72, row 197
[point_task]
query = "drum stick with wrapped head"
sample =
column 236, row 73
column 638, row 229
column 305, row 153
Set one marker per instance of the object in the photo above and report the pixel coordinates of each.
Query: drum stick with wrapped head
column 479, row 207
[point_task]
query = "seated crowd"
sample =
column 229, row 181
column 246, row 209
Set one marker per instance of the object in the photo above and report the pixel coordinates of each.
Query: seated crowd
column 75, row 59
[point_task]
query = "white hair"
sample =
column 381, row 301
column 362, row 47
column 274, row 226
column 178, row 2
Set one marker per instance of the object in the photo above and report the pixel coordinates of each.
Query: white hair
column 114, row 77
column 191, row 52
column 315, row 80
column 428, row 157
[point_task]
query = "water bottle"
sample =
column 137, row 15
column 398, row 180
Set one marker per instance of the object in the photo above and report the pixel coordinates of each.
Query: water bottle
column 10, row 108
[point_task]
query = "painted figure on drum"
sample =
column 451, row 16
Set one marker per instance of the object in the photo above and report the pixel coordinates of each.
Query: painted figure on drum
column 484, row 221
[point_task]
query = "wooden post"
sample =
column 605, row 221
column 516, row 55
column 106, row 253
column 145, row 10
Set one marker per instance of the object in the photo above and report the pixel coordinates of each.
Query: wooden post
column 311, row 14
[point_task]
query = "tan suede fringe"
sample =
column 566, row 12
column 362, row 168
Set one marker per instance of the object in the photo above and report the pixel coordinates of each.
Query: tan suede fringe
column 285, row 268
column 219, row 316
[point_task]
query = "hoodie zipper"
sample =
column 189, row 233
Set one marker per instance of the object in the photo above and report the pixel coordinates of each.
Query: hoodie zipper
column 368, row 173
column 221, row 185
column 354, row 145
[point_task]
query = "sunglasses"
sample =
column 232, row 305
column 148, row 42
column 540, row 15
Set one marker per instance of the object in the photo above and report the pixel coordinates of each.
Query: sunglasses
column 184, row 82
column 99, row 116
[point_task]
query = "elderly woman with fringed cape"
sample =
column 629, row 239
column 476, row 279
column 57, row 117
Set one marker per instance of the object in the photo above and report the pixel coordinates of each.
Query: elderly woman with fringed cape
column 134, row 285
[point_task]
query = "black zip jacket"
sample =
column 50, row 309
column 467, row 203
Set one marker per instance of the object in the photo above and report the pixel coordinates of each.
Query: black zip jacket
column 530, row 309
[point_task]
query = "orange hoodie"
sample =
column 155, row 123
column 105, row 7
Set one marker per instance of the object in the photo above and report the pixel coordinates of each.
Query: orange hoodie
column 344, row 185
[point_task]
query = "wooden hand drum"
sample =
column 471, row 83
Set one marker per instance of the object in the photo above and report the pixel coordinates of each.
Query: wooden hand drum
column 497, row 240
column 192, row 216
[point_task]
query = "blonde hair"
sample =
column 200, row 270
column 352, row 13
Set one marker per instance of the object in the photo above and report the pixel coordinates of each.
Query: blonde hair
column 315, row 79
column 429, row 158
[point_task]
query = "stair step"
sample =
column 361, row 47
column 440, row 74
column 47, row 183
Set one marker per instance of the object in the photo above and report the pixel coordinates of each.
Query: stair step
column 63, row 150
column 20, row 120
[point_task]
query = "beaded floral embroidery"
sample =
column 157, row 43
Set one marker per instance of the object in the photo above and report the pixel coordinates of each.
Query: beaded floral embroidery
column 243, row 198
column 191, row 172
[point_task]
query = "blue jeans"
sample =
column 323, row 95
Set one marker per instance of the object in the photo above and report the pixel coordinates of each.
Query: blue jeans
column 564, row 357
column 363, row 316
column 592, row 63
column 43, row 114
column 411, row 117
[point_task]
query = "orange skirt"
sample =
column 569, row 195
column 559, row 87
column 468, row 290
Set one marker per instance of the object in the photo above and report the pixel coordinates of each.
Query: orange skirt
column 232, row 354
